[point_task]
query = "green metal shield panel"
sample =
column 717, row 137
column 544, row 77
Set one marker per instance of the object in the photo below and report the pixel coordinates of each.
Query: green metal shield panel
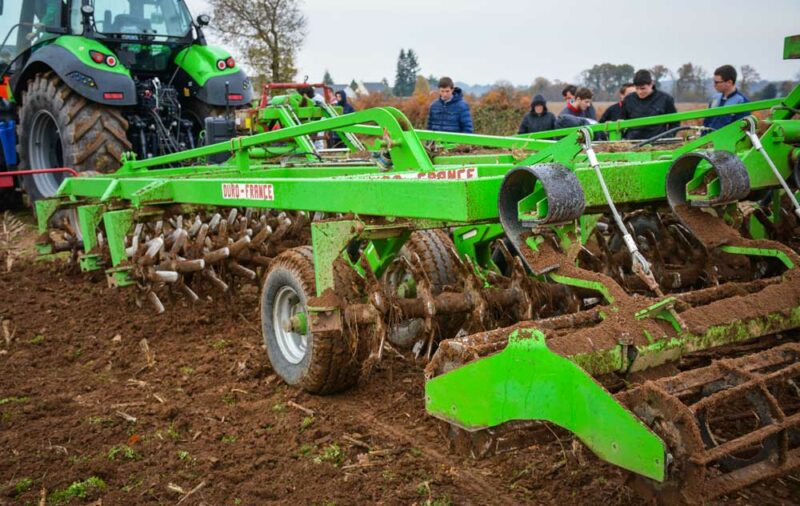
column 791, row 47
column 527, row 381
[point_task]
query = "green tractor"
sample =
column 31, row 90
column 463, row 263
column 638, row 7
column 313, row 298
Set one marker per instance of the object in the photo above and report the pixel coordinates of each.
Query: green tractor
column 85, row 81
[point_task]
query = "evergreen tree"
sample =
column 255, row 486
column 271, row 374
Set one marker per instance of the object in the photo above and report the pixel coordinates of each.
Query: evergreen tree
column 412, row 65
column 406, row 74
column 400, row 75
column 433, row 81
column 327, row 79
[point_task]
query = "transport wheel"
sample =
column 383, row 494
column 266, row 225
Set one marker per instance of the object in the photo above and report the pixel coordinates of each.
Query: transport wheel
column 59, row 128
column 318, row 363
column 433, row 247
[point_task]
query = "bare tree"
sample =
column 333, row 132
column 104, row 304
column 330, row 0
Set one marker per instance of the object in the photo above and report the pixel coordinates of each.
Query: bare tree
column 267, row 32
column 748, row 77
column 606, row 78
column 690, row 85
column 660, row 72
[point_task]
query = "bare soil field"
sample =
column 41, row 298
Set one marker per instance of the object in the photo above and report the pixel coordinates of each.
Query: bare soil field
column 105, row 403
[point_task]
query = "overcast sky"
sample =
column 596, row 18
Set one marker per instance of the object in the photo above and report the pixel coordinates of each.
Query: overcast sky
column 481, row 42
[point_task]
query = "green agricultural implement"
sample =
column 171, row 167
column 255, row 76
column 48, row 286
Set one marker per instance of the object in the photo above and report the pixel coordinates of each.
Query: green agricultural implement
column 643, row 298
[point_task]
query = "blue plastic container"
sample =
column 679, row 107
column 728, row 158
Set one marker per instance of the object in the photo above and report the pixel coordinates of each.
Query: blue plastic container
column 8, row 138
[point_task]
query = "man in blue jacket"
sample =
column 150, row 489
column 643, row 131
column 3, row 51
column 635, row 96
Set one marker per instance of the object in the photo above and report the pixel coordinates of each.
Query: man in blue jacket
column 449, row 112
column 727, row 94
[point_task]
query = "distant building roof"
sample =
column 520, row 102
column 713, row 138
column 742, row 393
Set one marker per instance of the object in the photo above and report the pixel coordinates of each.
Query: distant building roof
column 363, row 88
column 377, row 87
column 344, row 87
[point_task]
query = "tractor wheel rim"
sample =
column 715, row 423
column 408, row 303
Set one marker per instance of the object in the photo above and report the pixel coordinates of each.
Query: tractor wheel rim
column 293, row 345
column 46, row 152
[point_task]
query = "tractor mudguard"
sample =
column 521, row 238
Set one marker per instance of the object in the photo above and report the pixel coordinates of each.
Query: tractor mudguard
column 68, row 56
column 201, row 77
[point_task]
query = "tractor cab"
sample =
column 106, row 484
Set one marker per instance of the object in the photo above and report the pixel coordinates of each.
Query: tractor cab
column 24, row 24
column 136, row 19
column 145, row 34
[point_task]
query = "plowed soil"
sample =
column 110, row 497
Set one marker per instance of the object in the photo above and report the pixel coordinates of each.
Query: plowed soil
column 194, row 415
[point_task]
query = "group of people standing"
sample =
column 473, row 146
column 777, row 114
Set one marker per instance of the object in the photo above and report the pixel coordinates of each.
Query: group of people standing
column 637, row 99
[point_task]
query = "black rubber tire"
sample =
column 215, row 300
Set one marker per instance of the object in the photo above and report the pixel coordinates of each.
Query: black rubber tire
column 434, row 250
column 91, row 136
column 197, row 112
column 330, row 364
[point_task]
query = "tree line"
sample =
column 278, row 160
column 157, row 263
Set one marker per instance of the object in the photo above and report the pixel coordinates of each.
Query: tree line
column 689, row 83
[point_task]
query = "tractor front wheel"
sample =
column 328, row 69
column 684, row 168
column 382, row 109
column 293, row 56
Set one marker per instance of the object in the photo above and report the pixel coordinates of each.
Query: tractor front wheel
column 59, row 128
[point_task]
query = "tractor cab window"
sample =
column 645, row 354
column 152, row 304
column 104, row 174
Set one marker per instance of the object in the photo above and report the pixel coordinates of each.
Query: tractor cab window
column 159, row 19
column 23, row 22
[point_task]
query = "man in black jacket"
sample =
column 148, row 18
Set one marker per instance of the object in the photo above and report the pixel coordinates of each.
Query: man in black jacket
column 615, row 110
column 647, row 101
column 539, row 119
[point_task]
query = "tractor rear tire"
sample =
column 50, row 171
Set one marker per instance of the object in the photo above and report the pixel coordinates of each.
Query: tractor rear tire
column 60, row 128
column 317, row 364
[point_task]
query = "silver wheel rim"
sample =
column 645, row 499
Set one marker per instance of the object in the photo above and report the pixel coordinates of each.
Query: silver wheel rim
column 293, row 345
column 405, row 333
column 71, row 215
column 45, row 152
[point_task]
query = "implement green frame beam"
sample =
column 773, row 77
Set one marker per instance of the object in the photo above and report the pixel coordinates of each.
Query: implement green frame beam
column 664, row 349
column 527, row 381
column 486, row 141
column 407, row 151
column 618, row 126
column 461, row 201
column 378, row 194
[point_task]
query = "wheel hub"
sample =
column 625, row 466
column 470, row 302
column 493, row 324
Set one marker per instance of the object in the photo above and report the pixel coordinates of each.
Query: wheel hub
column 289, row 320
